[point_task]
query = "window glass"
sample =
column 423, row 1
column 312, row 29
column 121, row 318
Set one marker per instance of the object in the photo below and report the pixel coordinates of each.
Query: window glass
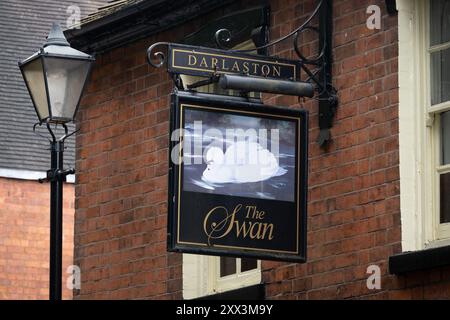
column 440, row 22
column 248, row 264
column 227, row 266
column 445, row 198
column 440, row 76
column 445, row 138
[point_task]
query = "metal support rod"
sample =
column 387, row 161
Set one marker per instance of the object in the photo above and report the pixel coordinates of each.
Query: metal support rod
column 257, row 84
column 56, row 219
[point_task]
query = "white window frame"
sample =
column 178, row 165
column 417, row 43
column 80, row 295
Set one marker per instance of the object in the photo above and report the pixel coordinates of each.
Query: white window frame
column 236, row 280
column 419, row 133
column 201, row 276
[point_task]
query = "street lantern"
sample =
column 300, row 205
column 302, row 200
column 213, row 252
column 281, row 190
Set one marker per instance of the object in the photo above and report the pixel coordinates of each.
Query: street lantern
column 55, row 77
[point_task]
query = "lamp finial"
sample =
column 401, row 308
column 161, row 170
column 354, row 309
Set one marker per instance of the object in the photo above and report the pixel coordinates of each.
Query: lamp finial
column 56, row 37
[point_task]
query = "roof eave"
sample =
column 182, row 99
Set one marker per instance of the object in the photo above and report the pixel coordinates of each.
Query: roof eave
column 95, row 36
column 111, row 18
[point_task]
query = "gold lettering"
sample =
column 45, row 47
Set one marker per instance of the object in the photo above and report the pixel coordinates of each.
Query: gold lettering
column 217, row 227
column 276, row 71
column 267, row 226
column 258, row 234
column 214, row 63
column 223, row 65
column 242, row 229
column 255, row 65
column 250, row 209
column 261, row 215
column 219, row 223
column 245, row 67
column 265, row 70
column 235, row 67
column 203, row 63
column 192, row 60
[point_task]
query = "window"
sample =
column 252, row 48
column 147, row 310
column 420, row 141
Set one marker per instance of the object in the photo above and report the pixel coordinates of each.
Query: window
column 438, row 52
column 207, row 275
column 424, row 122
column 233, row 273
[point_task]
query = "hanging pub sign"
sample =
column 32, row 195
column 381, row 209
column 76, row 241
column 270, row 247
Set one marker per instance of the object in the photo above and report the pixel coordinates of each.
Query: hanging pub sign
column 238, row 178
column 198, row 61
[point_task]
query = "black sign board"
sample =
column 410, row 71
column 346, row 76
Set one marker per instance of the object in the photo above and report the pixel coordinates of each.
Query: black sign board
column 200, row 61
column 237, row 178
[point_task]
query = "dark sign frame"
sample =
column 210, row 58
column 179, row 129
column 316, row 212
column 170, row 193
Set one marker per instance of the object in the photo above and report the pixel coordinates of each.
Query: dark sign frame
column 200, row 61
column 186, row 209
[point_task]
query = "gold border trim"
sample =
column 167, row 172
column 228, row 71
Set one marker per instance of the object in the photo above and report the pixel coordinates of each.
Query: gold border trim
column 182, row 105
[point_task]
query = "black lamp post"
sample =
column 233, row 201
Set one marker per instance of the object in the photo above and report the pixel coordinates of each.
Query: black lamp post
column 55, row 77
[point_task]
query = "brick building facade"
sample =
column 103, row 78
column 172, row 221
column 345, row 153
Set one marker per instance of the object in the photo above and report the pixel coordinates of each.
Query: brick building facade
column 25, row 238
column 355, row 209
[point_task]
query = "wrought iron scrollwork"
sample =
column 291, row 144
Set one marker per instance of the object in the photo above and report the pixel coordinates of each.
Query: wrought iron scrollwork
column 289, row 35
column 222, row 38
column 57, row 145
column 157, row 55
column 52, row 132
column 317, row 68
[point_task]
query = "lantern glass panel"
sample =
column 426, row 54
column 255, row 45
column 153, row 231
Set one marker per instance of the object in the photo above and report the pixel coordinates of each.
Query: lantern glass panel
column 65, row 81
column 34, row 78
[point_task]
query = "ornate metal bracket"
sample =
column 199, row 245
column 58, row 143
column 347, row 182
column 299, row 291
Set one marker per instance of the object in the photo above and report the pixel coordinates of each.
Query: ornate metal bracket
column 56, row 145
column 159, row 55
column 316, row 69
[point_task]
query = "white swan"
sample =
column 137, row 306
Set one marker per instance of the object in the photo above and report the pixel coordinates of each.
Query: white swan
column 242, row 162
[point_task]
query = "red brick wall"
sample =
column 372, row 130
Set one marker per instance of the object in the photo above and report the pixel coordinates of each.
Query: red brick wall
column 353, row 202
column 354, row 205
column 24, row 238
column 122, row 163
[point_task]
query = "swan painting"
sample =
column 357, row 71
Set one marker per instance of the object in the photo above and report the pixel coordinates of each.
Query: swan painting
column 239, row 155
column 242, row 162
